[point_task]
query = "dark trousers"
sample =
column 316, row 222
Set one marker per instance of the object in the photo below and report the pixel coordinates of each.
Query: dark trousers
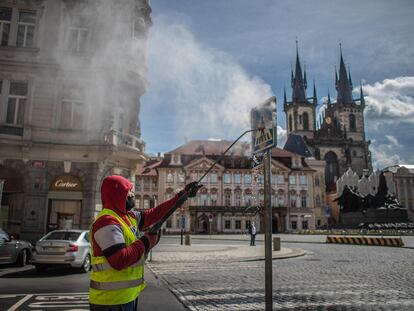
column 252, row 239
column 130, row 306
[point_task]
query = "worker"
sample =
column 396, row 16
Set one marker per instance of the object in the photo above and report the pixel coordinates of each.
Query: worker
column 120, row 244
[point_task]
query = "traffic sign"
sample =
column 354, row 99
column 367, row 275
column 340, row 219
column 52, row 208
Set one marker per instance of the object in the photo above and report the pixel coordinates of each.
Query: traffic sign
column 263, row 120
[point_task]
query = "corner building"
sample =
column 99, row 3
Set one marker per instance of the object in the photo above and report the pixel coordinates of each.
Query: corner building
column 338, row 137
column 233, row 195
column 72, row 73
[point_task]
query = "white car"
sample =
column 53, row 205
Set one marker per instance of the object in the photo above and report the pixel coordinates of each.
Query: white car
column 63, row 248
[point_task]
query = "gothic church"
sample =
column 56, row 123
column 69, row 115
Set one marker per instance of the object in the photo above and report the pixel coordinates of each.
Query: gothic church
column 338, row 137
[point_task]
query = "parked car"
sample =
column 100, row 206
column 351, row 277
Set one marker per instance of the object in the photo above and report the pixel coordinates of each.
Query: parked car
column 63, row 248
column 14, row 251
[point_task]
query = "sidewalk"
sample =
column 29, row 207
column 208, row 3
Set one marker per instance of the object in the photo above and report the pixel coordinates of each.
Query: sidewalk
column 157, row 296
column 215, row 252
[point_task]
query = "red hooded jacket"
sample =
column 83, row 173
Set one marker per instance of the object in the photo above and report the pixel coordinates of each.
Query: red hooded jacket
column 107, row 237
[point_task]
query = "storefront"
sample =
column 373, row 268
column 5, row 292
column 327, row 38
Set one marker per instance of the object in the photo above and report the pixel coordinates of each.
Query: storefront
column 64, row 203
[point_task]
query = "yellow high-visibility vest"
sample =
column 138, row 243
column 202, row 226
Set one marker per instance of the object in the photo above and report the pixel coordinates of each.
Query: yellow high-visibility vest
column 114, row 287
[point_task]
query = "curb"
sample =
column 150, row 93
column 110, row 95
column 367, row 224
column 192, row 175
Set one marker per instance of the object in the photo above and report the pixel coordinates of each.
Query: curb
column 393, row 242
column 293, row 254
column 181, row 298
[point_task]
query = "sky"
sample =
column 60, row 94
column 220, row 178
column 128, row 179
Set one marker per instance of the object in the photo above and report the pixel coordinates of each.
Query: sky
column 209, row 62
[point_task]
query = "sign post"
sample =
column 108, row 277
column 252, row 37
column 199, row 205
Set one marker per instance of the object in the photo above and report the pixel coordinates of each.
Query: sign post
column 263, row 120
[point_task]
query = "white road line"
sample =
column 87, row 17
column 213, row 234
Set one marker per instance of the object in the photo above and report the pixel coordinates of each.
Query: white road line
column 20, row 302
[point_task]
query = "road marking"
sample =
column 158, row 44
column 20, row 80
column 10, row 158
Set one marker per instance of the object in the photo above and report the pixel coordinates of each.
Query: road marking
column 20, row 302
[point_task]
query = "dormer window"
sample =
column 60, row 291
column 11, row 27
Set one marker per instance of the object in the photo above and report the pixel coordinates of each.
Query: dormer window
column 175, row 159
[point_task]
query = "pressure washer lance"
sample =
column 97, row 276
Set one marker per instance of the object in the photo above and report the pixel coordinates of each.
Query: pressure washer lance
column 184, row 196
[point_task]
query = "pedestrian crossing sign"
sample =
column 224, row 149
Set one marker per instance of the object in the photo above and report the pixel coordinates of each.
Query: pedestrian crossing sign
column 263, row 122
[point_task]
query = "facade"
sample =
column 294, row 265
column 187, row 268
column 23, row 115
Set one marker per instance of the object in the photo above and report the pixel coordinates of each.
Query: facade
column 232, row 196
column 71, row 77
column 339, row 136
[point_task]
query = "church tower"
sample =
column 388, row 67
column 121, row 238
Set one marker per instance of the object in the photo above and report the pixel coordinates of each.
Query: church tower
column 300, row 111
column 340, row 137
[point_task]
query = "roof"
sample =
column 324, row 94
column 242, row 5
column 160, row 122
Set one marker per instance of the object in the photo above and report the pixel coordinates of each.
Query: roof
column 394, row 168
column 237, row 157
column 296, row 144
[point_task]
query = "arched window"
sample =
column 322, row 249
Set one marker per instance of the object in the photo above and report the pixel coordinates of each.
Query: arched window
column 352, row 123
column 290, row 124
column 331, row 170
column 318, row 200
column 305, row 119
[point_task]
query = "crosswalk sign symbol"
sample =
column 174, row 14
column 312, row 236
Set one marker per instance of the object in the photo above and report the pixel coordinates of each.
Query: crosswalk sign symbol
column 263, row 121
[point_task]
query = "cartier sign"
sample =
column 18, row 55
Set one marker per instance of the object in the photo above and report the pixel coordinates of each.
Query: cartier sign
column 66, row 183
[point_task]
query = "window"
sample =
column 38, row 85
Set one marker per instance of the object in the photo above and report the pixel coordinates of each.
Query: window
column 227, row 178
column 303, row 201
column 168, row 223
column 227, row 199
column 154, row 183
column 260, row 179
column 213, row 178
column 319, row 223
column 227, row 224
column 318, row 200
column 203, row 199
column 280, row 179
column 16, row 102
column 26, row 29
column 247, row 179
column 237, row 178
column 5, row 21
column 293, row 201
column 280, row 200
column 238, row 198
column 317, row 182
column 146, row 203
column 294, row 224
column 247, row 224
column 292, row 180
column 177, row 223
column 237, row 224
column 303, row 180
column 138, row 184
column 352, row 123
column 248, row 200
column 170, row 177
column 181, row 177
column 305, row 121
column 72, row 116
column 304, row 224
column 146, row 184
column 213, row 198
column 274, row 179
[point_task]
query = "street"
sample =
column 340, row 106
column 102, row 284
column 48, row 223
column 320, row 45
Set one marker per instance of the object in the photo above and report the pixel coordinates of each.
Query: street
column 328, row 277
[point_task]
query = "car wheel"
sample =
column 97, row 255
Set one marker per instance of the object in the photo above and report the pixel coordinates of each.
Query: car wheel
column 86, row 266
column 22, row 258
column 40, row 268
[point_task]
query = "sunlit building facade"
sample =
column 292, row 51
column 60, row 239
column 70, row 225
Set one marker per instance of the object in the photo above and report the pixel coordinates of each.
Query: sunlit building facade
column 233, row 195
column 71, row 77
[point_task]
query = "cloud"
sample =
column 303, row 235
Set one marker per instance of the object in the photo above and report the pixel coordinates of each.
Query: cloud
column 391, row 100
column 389, row 118
column 209, row 93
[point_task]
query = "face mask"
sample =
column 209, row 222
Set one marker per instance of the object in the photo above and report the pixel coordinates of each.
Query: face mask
column 130, row 203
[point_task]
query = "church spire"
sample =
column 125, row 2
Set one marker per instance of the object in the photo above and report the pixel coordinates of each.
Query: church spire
column 329, row 98
column 298, row 82
column 343, row 87
column 315, row 100
column 284, row 96
column 361, row 95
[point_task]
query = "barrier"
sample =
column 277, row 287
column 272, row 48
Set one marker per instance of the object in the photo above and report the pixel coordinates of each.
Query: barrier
column 398, row 242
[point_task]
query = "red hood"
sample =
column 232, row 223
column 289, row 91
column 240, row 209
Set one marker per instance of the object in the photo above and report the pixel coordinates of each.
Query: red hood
column 114, row 191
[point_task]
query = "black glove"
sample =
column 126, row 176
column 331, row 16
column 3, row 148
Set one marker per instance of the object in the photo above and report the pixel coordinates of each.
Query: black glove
column 192, row 189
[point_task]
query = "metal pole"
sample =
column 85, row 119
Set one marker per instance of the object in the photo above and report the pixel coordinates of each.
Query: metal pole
column 268, row 230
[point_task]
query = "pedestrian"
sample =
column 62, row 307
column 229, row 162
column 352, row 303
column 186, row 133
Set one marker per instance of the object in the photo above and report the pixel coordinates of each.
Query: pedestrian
column 252, row 231
column 120, row 245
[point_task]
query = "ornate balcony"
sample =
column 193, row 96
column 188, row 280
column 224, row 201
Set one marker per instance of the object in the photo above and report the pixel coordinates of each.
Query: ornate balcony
column 130, row 146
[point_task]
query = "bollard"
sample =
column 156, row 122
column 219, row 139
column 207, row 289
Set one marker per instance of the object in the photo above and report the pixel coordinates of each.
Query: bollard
column 276, row 244
column 187, row 239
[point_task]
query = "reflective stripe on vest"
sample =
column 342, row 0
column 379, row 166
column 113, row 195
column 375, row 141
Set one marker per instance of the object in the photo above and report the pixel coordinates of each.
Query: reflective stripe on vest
column 106, row 266
column 115, row 285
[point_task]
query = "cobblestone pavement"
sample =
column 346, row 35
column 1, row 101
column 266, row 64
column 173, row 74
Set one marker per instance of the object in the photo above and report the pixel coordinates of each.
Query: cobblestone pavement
column 330, row 277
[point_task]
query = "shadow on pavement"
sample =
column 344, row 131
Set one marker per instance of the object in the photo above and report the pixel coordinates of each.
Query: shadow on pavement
column 52, row 272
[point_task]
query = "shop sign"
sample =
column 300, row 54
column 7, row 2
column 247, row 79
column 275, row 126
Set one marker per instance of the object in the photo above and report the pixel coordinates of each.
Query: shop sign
column 66, row 183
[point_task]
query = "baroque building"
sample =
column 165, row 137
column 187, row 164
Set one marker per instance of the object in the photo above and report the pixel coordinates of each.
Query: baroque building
column 72, row 73
column 233, row 195
column 338, row 137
